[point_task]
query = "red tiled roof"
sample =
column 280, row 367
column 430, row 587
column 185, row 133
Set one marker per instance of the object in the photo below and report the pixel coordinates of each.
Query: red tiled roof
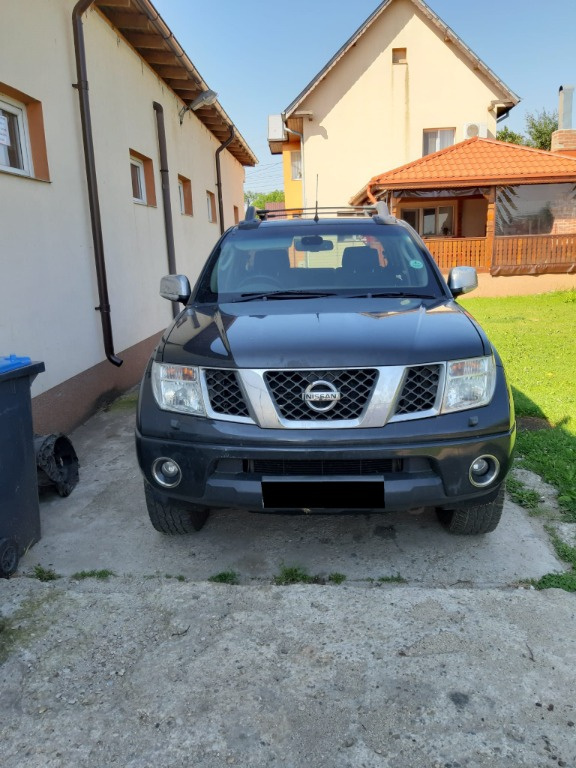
column 479, row 162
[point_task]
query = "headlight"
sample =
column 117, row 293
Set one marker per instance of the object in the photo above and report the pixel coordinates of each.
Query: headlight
column 469, row 383
column 177, row 388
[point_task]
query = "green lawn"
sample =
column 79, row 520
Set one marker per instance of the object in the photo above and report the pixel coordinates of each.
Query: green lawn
column 535, row 336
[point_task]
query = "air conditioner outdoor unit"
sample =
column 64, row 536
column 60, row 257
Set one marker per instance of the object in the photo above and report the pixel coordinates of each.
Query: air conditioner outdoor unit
column 276, row 131
column 475, row 129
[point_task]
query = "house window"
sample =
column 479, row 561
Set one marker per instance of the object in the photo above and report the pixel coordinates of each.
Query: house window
column 437, row 139
column 211, row 204
column 138, row 184
column 185, row 195
column 296, row 165
column 399, row 56
column 430, row 221
column 15, row 150
column 22, row 136
column 142, row 177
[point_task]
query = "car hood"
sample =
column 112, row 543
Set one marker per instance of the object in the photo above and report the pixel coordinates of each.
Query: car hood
column 323, row 333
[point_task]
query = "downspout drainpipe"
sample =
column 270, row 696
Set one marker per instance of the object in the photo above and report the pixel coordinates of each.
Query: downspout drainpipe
column 164, row 175
column 82, row 85
column 369, row 193
column 222, row 146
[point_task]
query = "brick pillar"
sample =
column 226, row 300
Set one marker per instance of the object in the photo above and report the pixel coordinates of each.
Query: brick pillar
column 564, row 141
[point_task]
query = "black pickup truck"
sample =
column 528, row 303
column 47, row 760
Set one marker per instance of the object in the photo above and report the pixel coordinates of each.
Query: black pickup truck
column 322, row 364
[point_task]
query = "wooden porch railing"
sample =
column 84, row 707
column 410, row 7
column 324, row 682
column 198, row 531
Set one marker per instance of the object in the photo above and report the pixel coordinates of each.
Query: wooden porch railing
column 535, row 253
column 521, row 255
column 451, row 252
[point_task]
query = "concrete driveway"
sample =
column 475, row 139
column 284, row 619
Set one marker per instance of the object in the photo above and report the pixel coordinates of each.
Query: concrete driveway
column 156, row 666
column 104, row 524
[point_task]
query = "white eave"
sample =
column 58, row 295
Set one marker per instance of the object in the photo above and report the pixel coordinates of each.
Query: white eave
column 141, row 25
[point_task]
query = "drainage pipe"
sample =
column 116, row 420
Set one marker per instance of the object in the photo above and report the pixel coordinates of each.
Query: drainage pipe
column 82, row 85
column 222, row 146
column 164, row 176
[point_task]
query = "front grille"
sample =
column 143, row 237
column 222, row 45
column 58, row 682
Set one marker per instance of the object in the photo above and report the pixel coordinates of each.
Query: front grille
column 354, row 386
column 224, row 393
column 323, row 467
column 420, row 389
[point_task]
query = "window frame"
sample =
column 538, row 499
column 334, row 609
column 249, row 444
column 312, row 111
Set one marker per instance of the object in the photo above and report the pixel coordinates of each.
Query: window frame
column 211, row 206
column 146, row 178
column 138, row 164
column 399, row 55
column 185, row 196
column 419, row 212
column 18, row 110
column 296, row 165
column 427, row 133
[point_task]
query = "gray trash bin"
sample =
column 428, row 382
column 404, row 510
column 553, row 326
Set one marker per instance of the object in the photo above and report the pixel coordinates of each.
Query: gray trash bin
column 19, row 507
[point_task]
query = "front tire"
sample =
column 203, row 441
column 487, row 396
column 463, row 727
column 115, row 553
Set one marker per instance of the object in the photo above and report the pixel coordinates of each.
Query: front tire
column 471, row 521
column 172, row 516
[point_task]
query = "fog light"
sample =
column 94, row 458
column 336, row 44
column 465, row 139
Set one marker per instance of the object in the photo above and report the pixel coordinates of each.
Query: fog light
column 166, row 472
column 484, row 470
column 480, row 467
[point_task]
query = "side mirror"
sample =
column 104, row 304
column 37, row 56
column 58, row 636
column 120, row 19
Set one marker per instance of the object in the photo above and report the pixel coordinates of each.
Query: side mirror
column 462, row 280
column 175, row 288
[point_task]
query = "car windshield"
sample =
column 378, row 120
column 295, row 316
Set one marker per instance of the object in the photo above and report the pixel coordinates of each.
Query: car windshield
column 314, row 259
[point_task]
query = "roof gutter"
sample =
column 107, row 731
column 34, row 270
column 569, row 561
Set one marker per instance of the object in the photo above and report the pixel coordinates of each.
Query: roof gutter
column 222, row 146
column 168, row 36
column 82, row 86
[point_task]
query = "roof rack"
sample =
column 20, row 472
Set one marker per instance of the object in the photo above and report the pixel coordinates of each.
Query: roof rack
column 379, row 212
column 306, row 213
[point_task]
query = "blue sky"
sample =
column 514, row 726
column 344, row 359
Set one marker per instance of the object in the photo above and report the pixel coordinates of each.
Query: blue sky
column 259, row 57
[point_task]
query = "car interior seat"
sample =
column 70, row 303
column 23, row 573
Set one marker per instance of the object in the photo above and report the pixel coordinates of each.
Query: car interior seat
column 360, row 261
column 272, row 262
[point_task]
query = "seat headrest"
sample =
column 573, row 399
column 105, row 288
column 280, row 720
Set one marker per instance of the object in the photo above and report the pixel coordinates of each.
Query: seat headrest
column 271, row 261
column 360, row 258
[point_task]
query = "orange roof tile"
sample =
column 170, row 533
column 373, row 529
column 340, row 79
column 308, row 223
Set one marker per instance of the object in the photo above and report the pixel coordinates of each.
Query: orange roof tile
column 479, row 162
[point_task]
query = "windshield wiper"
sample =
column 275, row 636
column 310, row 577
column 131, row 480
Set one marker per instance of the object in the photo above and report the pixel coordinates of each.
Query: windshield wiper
column 390, row 295
column 284, row 295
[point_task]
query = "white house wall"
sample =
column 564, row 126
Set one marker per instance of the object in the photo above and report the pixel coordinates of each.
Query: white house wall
column 48, row 289
column 369, row 114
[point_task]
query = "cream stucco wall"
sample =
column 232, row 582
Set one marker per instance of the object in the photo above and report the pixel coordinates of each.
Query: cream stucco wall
column 369, row 114
column 48, row 289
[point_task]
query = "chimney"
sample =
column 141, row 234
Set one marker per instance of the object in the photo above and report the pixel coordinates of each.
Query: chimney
column 564, row 139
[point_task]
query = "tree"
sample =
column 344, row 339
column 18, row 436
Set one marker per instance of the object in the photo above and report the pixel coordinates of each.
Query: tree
column 510, row 136
column 540, row 126
column 259, row 199
column 249, row 196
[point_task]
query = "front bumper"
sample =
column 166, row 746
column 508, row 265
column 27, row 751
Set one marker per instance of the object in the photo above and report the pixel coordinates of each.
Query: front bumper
column 225, row 473
column 432, row 474
column 404, row 465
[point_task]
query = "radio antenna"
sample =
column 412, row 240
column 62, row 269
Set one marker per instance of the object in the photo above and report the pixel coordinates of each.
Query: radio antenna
column 316, row 217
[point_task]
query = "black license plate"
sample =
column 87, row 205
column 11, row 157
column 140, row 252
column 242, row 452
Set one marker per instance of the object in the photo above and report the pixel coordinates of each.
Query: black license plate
column 323, row 494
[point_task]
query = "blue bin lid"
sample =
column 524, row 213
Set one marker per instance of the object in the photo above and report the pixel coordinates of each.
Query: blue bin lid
column 12, row 361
